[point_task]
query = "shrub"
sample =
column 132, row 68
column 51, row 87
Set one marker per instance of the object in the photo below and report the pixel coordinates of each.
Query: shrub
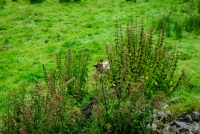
column 51, row 108
column 140, row 59
column 140, row 74
column 39, row 112
column 71, row 76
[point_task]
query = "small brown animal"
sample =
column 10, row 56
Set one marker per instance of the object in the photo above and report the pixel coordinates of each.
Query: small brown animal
column 102, row 65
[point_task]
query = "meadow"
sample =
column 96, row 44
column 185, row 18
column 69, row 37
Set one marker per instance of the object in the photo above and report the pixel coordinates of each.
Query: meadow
column 31, row 35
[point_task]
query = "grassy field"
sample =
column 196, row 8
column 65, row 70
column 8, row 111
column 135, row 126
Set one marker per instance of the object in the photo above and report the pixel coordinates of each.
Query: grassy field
column 31, row 35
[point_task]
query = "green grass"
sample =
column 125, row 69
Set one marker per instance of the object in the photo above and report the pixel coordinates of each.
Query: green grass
column 31, row 35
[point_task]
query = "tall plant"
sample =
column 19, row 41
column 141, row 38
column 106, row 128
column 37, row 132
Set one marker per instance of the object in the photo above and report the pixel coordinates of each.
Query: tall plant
column 71, row 76
column 139, row 71
column 136, row 58
column 50, row 108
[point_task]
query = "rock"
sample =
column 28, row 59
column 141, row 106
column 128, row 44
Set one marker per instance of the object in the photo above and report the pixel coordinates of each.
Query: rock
column 165, row 107
column 178, row 124
column 184, row 130
column 168, row 113
column 196, row 116
column 182, row 115
column 153, row 127
column 188, row 119
column 155, row 111
column 195, row 127
column 155, row 117
column 166, row 132
column 161, row 115
column 174, row 129
column 167, row 127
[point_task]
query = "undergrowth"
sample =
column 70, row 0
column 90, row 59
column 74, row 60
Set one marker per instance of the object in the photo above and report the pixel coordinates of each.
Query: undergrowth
column 142, row 72
column 53, row 107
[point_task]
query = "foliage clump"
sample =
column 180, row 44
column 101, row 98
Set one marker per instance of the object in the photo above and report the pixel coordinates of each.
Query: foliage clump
column 136, row 58
column 50, row 108
column 141, row 73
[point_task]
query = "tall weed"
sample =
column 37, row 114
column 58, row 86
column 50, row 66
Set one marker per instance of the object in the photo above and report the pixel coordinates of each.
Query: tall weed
column 51, row 108
column 71, row 76
column 140, row 71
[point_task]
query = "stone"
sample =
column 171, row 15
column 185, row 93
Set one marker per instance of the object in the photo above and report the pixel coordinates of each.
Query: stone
column 174, row 129
column 155, row 111
column 168, row 113
column 155, row 117
column 153, row 127
column 166, row 132
column 165, row 107
column 196, row 127
column 178, row 124
column 167, row 127
column 182, row 115
column 161, row 115
column 184, row 130
column 196, row 116
column 188, row 119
